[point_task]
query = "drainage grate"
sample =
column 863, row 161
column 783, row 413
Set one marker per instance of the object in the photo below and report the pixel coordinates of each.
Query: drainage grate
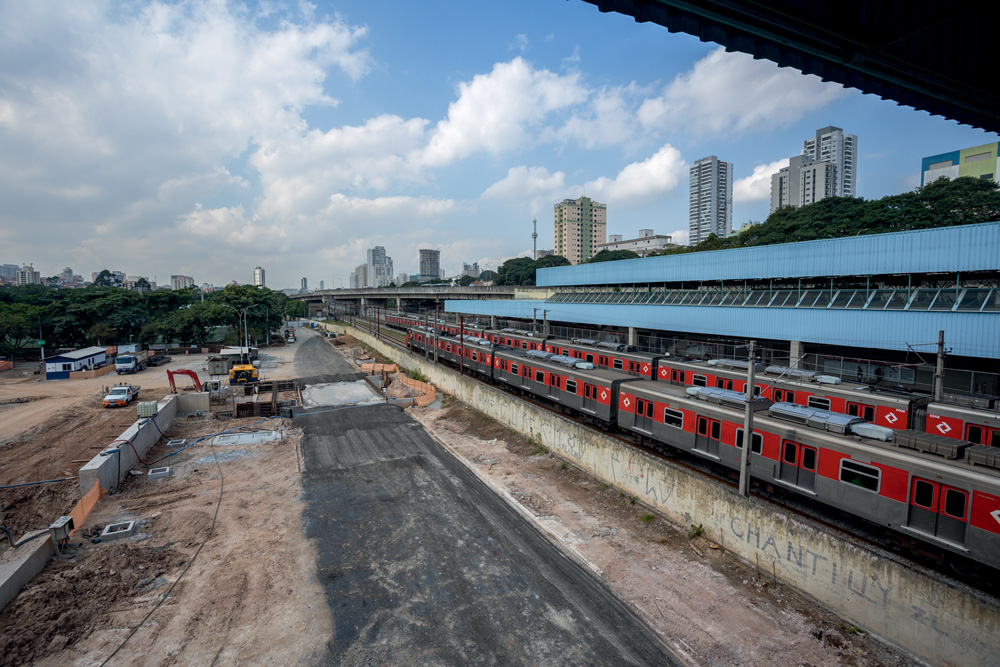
column 158, row 473
column 115, row 531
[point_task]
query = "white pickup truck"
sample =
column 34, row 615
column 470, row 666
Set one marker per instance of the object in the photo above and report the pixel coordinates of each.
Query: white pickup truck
column 121, row 395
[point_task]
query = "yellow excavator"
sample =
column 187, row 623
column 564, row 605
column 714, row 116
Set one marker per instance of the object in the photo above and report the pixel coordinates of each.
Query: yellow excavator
column 244, row 372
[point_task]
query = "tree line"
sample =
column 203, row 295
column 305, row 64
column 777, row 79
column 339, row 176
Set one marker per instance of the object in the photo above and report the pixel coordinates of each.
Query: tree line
column 102, row 315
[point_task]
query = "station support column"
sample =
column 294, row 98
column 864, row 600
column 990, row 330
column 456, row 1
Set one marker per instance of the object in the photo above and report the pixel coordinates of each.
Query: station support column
column 633, row 336
column 798, row 350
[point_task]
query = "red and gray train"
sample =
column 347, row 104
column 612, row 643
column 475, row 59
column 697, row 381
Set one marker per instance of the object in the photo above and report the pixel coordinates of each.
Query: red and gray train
column 930, row 487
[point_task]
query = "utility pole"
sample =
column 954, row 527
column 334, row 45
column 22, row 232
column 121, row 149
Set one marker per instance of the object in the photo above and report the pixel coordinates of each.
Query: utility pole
column 461, row 343
column 939, row 370
column 534, row 239
column 747, row 428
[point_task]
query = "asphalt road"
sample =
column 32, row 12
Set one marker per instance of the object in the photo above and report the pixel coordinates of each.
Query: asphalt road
column 423, row 564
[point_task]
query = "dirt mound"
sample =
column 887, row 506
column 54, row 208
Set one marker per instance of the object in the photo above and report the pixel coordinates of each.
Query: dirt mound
column 30, row 508
column 347, row 341
column 90, row 589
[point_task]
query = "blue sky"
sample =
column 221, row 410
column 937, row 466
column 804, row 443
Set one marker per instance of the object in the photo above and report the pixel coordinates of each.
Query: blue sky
column 206, row 138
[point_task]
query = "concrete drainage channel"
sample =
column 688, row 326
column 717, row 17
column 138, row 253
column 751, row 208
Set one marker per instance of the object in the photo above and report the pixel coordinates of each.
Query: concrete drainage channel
column 932, row 617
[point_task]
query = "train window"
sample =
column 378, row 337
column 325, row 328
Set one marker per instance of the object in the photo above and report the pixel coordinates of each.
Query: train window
column 868, row 413
column 859, row 474
column 514, row 369
column 954, row 503
column 789, row 396
column 716, row 430
column 809, row 458
column 539, row 376
column 673, row 418
column 756, row 444
column 590, row 358
column 699, row 380
column 702, row 426
column 571, row 386
column 617, row 364
column 789, row 453
column 649, row 409
column 677, row 376
column 995, row 438
column 974, row 434
column 852, row 409
column 821, row 403
column 720, row 383
column 474, row 356
column 640, row 407
column 923, row 494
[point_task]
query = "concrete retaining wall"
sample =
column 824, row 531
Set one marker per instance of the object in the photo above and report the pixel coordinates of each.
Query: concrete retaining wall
column 18, row 566
column 921, row 612
column 109, row 467
column 192, row 402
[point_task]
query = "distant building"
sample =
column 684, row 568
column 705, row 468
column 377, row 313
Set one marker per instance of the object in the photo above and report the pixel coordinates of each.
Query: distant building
column 402, row 279
column 28, row 276
column 977, row 162
column 379, row 267
column 258, row 277
column 580, row 226
column 710, row 203
column 305, row 286
column 322, row 286
column 430, row 264
column 827, row 167
column 544, row 253
column 646, row 243
column 471, row 270
column 359, row 279
column 181, row 282
column 9, row 270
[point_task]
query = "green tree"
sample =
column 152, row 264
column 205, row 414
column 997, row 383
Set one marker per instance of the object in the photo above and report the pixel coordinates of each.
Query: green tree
column 101, row 333
column 142, row 285
column 17, row 326
column 611, row 256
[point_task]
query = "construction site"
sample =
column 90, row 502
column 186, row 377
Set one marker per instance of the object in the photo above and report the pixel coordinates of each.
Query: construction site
column 282, row 522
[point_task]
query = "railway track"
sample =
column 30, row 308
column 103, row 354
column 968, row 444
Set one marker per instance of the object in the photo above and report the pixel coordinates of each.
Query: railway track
column 906, row 549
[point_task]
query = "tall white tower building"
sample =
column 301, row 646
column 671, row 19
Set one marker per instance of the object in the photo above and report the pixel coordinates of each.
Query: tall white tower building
column 379, row 267
column 258, row 277
column 828, row 167
column 710, row 207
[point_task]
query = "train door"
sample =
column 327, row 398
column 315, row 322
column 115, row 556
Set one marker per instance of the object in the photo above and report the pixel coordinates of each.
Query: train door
column 723, row 383
column 938, row 509
column 676, row 376
column 707, row 436
column 644, row 415
column 982, row 435
column 866, row 412
column 590, row 397
column 798, row 465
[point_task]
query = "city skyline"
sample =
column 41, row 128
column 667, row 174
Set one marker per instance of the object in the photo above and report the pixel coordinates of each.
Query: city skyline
column 339, row 140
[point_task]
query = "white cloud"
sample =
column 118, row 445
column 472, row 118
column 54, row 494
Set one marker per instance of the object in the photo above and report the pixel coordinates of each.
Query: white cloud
column 605, row 120
column 520, row 43
column 495, row 111
column 523, row 183
column 733, row 92
column 757, row 186
column 639, row 182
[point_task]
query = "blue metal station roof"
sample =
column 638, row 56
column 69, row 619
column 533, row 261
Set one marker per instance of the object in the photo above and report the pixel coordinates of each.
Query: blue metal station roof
column 943, row 250
column 966, row 334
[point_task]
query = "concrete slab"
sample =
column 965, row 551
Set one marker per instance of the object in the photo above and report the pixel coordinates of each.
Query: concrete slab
column 158, row 473
column 115, row 531
column 249, row 438
column 339, row 393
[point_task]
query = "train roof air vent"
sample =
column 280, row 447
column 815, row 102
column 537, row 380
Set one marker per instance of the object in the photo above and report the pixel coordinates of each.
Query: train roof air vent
column 583, row 341
column 795, row 373
column 539, row 354
column 727, row 397
column 983, row 455
column 932, row 443
column 814, row 417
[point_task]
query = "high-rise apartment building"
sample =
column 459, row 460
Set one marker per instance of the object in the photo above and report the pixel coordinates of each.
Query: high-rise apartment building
column 710, row 203
column 181, row 282
column 977, row 162
column 9, row 270
column 28, row 276
column 580, row 226
column 471, row 270
column 258, row 277
column 379, row 267
column 430, row 264
column 828, row 167
column 305, row 286
column 359, row 277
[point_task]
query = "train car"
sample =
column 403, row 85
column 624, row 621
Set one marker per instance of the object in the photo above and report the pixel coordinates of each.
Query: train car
column 893, row 408
column 976, row 425
column 402, row 321
column 576, row 386
column 471, row 353
column 616, row 356
column 904, row 481
column 517, row 338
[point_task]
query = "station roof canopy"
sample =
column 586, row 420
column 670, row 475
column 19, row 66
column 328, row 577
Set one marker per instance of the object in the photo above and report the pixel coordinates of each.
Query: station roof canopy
column 932, row 56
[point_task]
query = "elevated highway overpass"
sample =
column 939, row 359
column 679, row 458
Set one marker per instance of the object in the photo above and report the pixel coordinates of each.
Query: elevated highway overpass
column 410, row 298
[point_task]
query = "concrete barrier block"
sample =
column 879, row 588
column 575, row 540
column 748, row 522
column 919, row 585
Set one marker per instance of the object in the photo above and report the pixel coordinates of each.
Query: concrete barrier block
column 116, row 531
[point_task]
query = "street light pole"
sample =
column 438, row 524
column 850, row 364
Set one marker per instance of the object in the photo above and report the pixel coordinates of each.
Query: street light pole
column 747, row 428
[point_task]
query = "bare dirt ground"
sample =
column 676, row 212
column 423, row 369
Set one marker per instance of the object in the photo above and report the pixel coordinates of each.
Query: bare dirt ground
column 248, row 594
column 712, row 609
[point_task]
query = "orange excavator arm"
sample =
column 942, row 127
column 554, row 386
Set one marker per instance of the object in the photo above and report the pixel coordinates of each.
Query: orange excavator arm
column 191, row 374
